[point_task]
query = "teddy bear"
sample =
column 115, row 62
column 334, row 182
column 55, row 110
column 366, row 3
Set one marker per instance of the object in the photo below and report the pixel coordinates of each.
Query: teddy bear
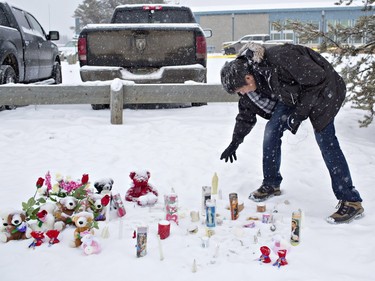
column 46, row 218
column 16, row 227
column 83, row 222
column 104, row 185
column 90, row 244
column 97, row 205
column 65, row 208
column 141, row 191
column 4, row 220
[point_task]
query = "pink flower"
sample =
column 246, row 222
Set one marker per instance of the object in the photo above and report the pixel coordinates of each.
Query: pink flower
column 48, row 181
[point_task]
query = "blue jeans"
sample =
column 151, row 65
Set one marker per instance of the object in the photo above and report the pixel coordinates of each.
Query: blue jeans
column 329, row 146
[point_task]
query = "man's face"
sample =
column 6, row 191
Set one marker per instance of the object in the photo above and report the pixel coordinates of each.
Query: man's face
column 249, row 87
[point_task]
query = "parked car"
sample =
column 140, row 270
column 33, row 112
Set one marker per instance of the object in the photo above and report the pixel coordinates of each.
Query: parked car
column 69, row 49
column 26, row 51
column 232, row 47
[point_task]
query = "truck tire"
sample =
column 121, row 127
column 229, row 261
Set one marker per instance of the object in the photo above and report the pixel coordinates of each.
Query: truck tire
column 7, row 75
column 56, row 73
column 99, row 106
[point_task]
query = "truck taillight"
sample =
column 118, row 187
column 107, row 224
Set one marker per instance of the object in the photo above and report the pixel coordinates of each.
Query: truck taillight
column 201, row 47
column 82, row 49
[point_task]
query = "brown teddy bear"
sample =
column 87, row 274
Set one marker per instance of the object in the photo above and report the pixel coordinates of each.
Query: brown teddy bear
column 16, row 227
column 84, row 223
column 64, row 212
column 141, row 191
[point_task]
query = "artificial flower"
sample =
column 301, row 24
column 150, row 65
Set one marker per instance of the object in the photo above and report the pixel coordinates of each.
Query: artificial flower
column 105, row 200
column 85, row 179
column 48, row 181
column 39, row 182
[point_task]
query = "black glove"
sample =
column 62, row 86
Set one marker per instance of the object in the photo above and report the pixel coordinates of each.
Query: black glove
column 230, row 152
column 294, row 121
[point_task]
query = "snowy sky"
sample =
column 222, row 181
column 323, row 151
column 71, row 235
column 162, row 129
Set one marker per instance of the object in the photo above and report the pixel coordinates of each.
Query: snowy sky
column 57, row 14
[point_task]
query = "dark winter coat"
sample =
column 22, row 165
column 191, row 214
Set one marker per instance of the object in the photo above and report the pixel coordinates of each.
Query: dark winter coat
column 300, row 78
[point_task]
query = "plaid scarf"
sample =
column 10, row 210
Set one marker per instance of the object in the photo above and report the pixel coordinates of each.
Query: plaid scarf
column 266, row 104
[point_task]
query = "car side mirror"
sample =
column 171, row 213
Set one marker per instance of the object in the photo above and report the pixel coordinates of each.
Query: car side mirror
column 53, row 35
column 207, row 33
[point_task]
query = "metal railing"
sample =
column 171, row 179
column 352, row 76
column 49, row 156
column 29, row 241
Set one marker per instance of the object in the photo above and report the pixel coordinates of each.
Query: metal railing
column 115, row 93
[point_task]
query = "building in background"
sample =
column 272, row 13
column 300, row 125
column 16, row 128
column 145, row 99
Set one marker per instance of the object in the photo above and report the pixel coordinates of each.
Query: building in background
column 232, row 24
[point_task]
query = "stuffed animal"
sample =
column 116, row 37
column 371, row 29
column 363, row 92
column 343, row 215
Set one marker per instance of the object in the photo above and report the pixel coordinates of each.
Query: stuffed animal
column 83, row 222
column 4, row 220
column 64, row 211
column 90, row 244
column 16, row 227
column 141, row 191
column 97, row 205
column 104, row 185
column 46, row 218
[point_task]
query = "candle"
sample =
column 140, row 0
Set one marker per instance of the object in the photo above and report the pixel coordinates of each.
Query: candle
column 215, row 184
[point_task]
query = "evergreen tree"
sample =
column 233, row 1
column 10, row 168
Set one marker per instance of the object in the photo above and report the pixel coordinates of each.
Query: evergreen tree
column 356, row 61
column 100, row 11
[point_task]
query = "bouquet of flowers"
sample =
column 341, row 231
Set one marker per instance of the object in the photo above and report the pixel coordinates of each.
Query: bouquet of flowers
column 47, row 191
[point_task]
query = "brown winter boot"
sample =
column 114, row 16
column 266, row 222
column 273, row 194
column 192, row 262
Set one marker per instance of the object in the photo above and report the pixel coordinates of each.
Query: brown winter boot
column 264, row 192
column 347, row 211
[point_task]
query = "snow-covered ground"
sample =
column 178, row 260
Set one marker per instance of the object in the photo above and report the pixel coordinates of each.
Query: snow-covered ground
column 181, row 149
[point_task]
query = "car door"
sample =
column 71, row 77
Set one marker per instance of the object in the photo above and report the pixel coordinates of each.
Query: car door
column 31, row 49
column 45, row 49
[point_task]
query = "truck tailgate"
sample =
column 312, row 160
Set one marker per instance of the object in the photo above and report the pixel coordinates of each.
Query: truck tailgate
column 138, row 46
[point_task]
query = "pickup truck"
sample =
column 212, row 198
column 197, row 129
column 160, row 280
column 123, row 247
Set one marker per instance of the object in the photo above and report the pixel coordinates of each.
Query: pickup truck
column 26, row 51
column 146, row 44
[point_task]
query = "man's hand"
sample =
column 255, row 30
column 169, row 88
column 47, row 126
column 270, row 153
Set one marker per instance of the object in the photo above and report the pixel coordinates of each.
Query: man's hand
column 230, row 152
column 293, row 122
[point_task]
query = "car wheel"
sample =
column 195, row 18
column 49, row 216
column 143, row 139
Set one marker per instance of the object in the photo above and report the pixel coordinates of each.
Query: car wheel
column 7, row 75
column 56, row 73
column 99, row 106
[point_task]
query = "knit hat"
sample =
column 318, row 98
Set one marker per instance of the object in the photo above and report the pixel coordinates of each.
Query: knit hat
column 233, row 73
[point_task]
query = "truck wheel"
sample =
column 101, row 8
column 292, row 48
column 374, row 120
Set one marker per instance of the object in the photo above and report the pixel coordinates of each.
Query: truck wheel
column 99, row 106
column 7, row 75
column 56, row 73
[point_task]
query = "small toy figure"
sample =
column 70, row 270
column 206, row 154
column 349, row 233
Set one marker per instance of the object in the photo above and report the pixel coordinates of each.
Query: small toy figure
column 141, row 191
column 38, row 239
column 281, row 260
column 265, row 257
column 90, row 244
